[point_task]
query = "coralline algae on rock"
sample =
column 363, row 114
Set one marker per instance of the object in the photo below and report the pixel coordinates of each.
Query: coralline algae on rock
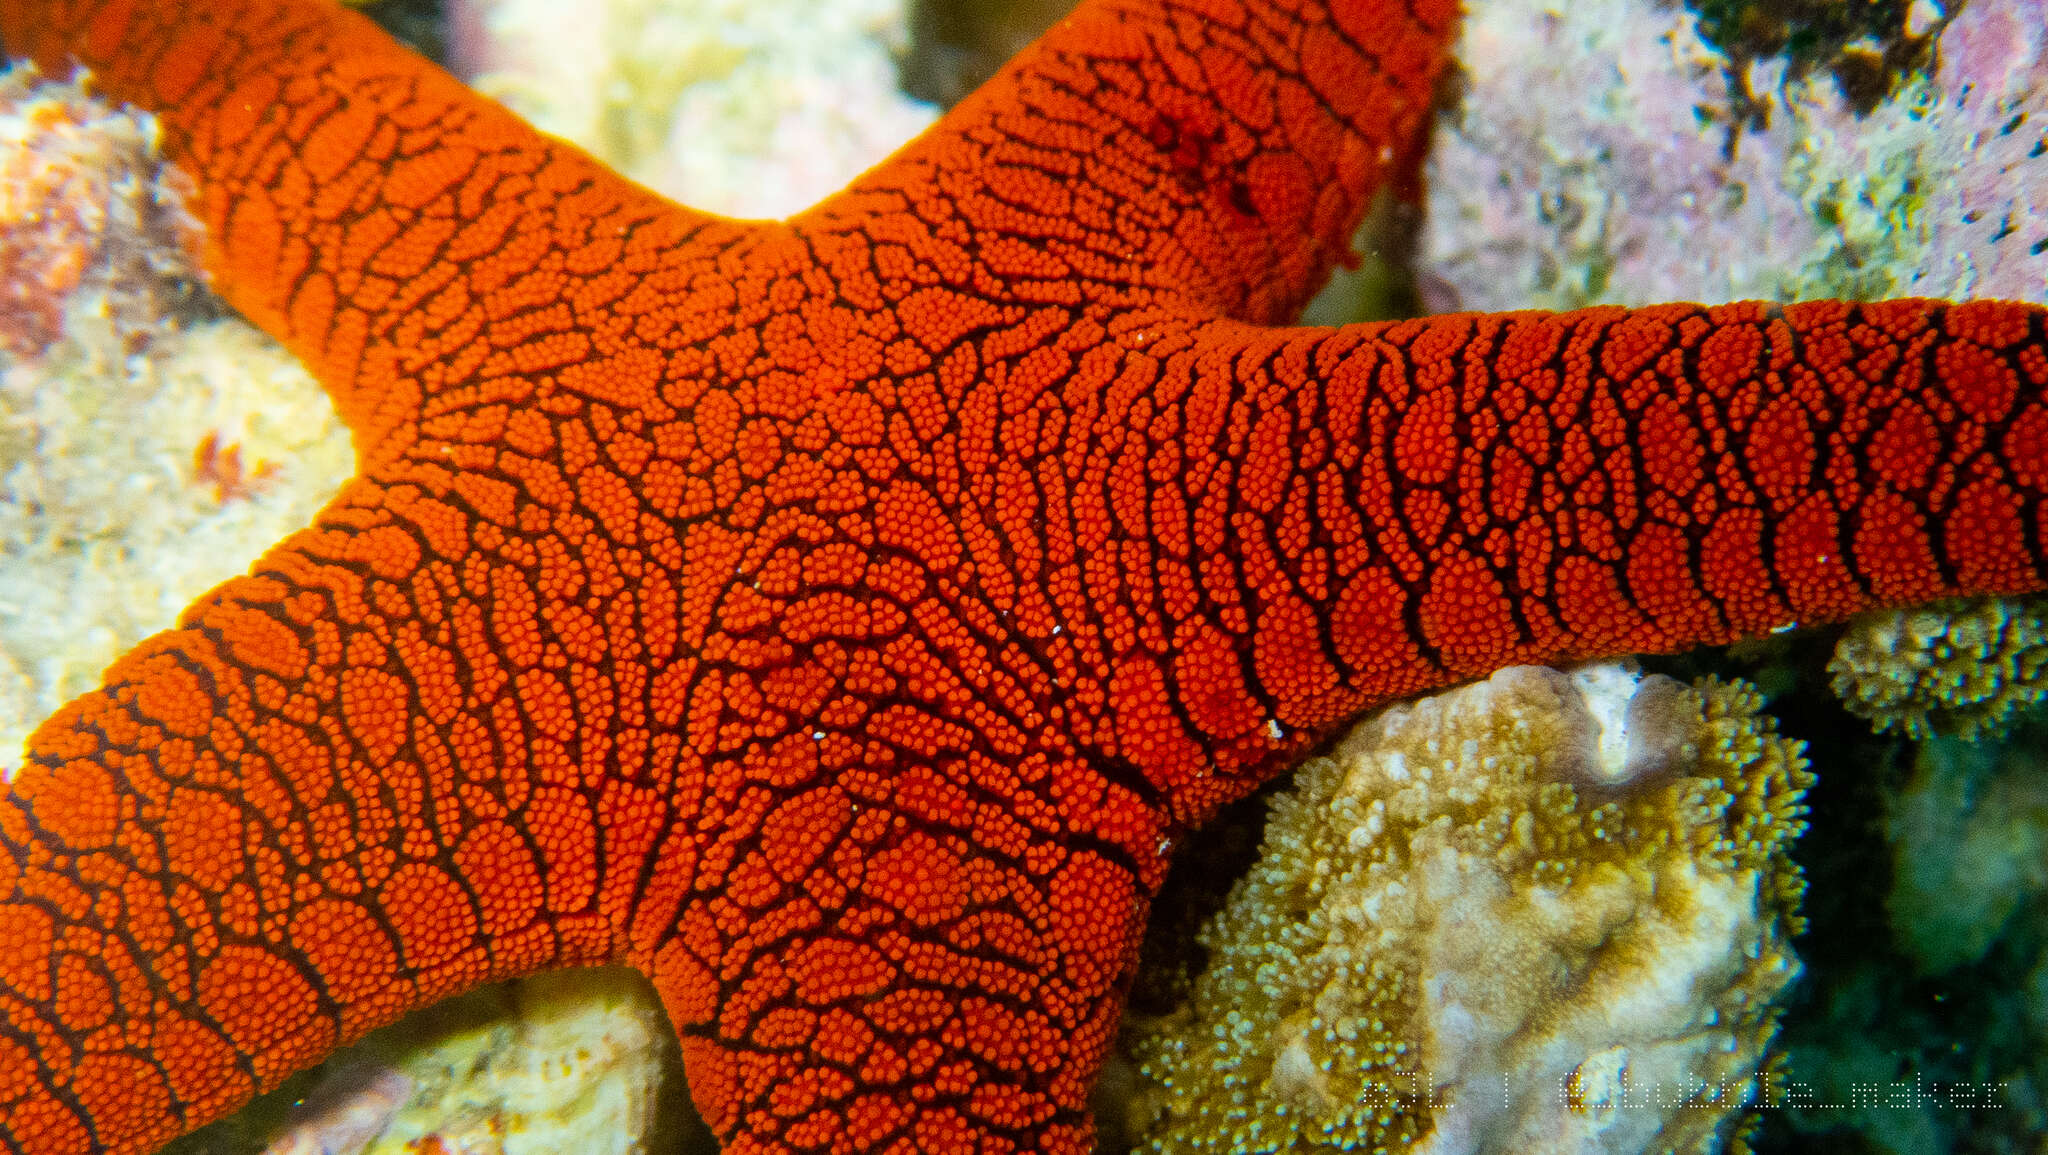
column 1594, row 156
column 1541, row 913
column 149, row 447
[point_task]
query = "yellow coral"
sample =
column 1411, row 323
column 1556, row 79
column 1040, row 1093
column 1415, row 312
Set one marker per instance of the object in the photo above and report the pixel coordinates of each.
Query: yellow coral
column 1545, row 912
column 1961, row 667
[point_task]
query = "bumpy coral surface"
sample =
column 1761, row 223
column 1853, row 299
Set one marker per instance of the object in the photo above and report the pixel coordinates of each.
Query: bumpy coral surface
column 1958, row 667
column 1539, row 913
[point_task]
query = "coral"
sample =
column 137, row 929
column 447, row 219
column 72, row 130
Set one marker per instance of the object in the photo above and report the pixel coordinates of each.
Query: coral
column 220, row 490
column 1600, row 151
column 149, row 447
column 1539, row 913
column 91, row 218
column 1604, row 151
column 573, row 1061
column 1962, row 667
column 743, row 107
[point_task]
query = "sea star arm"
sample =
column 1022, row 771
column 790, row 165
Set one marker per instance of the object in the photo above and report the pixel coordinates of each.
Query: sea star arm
column 502, row 707
column 1262, row 532
column 276, row 827
column 434, row 261
column 297, row 859
column 1212, row 153
column 402, row 235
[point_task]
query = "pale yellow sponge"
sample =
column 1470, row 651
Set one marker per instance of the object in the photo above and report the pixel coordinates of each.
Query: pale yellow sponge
column 1962, row 667
column 1547, row 912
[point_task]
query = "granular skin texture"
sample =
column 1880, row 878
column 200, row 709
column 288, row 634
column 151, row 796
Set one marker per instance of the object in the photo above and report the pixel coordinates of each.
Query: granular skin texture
column 840, row 618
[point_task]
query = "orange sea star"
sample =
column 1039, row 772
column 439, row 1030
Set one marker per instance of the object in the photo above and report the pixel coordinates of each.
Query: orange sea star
column 839, row 619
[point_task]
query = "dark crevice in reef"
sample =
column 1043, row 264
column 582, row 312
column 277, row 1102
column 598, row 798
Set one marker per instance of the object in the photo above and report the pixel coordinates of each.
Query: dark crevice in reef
column 955, row 45
column 418, row 24
column 1880, row 1058
column 1868, row 46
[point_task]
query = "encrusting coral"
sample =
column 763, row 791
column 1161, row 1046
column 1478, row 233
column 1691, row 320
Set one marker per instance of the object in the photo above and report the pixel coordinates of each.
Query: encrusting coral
column 1544, row 912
